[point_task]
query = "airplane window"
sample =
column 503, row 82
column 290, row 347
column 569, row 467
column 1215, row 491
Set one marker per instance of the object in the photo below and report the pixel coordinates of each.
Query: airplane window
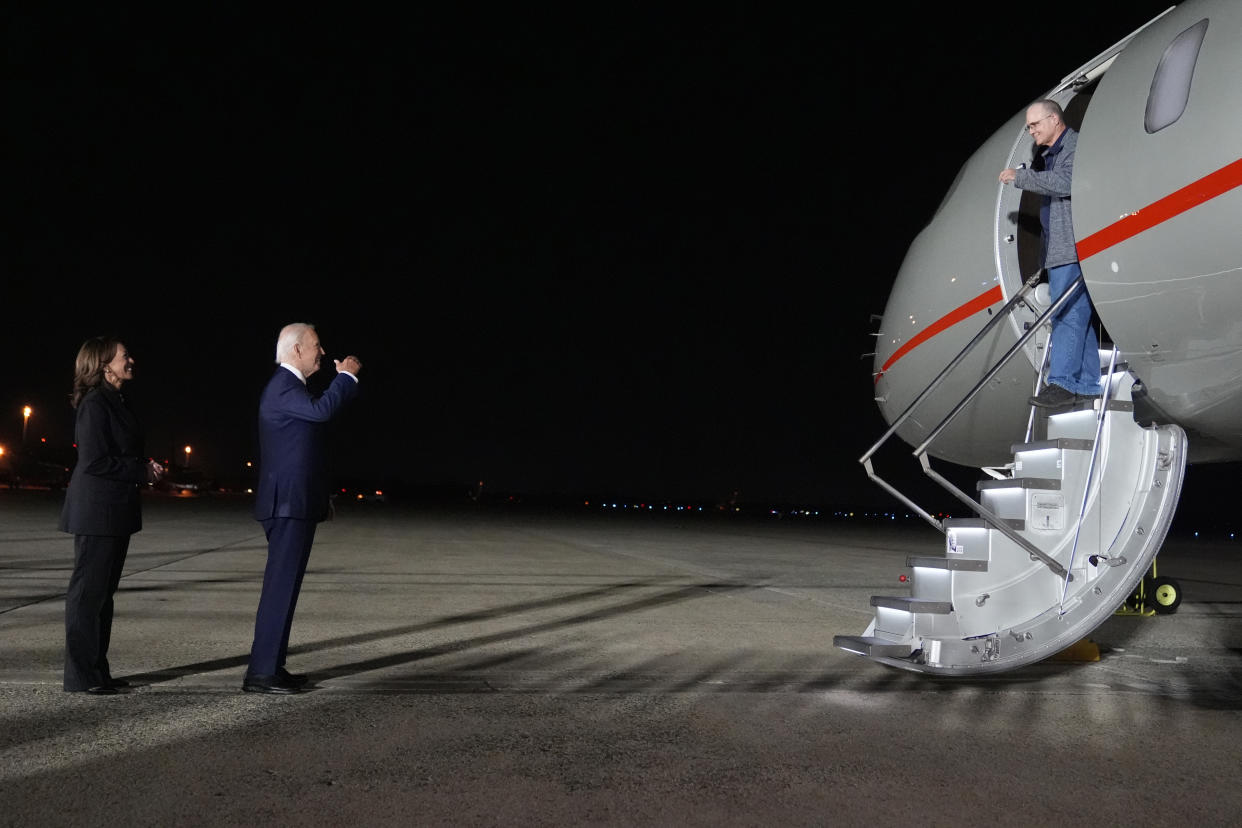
column 1170, row 88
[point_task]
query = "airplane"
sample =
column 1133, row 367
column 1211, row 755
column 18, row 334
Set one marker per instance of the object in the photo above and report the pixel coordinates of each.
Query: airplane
column 1074, row 504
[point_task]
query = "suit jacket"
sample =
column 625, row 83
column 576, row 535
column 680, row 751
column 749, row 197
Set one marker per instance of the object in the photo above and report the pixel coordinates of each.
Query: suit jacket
column 111, row 468
column 293, row 477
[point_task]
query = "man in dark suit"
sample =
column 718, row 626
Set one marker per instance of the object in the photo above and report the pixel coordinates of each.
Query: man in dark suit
column 292, row 494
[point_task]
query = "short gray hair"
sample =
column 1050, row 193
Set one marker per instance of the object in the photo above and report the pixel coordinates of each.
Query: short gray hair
column 290, row 335
column 1050, row 107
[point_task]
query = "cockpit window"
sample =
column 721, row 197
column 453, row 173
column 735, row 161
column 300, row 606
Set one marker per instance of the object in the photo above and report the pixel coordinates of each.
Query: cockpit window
column 1170, row 88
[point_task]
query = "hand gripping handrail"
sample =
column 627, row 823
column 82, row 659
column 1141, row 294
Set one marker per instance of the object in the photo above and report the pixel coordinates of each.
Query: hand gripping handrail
column 921, row 451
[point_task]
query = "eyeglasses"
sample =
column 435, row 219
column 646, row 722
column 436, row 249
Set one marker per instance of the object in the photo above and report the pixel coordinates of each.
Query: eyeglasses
column 1031, row 126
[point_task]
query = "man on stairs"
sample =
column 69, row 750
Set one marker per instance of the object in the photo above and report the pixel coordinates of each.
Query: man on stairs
column 1074, row 364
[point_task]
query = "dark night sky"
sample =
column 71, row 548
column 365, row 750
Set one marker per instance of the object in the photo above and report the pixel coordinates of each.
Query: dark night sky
column 623, row 250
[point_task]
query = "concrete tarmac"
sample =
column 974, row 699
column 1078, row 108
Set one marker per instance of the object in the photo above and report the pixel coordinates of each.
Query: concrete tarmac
column 512, row 668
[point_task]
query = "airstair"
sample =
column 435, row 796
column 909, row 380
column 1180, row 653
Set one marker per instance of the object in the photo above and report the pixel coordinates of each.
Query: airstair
column 1064, row 533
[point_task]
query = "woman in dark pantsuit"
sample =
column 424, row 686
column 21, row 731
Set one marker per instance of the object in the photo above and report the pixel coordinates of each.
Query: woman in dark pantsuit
column 101, row 508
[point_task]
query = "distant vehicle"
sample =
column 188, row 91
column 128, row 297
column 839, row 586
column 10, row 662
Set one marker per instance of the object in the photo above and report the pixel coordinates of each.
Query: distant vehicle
column 30, row 470
column 358, row 495
column 185, row 482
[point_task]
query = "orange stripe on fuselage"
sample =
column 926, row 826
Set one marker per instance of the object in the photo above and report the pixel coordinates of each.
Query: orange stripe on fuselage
column 1192, row 195
column 950, row 319
column 1227, row 178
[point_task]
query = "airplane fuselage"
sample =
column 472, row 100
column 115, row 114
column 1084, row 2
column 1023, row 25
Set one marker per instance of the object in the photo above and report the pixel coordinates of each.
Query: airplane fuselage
column 1157, row 203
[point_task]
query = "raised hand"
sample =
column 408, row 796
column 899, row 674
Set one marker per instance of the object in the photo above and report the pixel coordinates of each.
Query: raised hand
column 350, row 363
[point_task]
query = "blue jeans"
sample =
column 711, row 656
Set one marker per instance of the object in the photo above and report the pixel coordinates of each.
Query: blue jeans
column 1074, row 363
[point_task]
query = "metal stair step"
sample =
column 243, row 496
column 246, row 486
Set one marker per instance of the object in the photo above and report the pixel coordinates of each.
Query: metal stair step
column 1021, row 483
column 980, row 523
column 912, row 604
column 1088, row 404
column 965, row 523
column 1071, row 443
column 956, row 564
column 871, row 646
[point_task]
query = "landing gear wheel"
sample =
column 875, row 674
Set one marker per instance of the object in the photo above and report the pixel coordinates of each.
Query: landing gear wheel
column 1165, row 595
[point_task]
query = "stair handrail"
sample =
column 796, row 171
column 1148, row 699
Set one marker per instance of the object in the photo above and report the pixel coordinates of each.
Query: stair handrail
column 1105, row 398
column 1061, row 302
column 865, row 460
column 953, row 363
column 921, row 451
column 1039, row 377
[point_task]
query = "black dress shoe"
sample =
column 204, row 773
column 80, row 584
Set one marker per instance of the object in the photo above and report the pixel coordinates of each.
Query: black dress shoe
column 102, row 690
column 296, row 679
column 1053, row 396
column 272, row 685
